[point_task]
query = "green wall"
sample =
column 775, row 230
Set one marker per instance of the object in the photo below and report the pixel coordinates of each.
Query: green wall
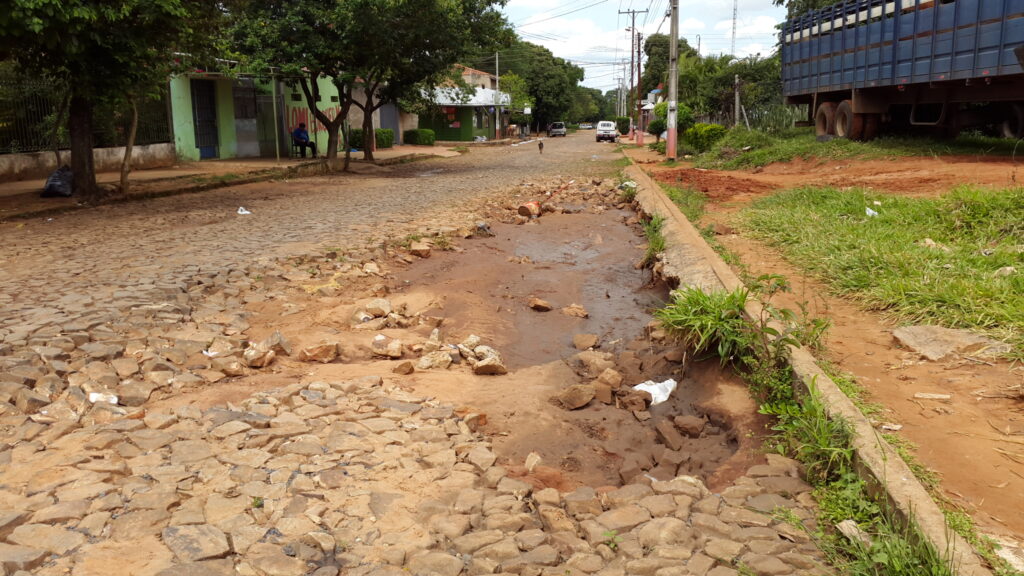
column 184, row 129
column 444, row 130
column 297, row 111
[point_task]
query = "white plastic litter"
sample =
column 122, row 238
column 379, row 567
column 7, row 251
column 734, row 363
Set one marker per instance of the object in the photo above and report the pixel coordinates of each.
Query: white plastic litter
column 877, row 203
column 870, row 212
column 659, row 391
column 243, row 211
column 209, row 354
column 95, row 397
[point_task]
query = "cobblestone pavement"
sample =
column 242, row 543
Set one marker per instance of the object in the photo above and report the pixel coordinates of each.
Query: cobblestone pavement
column 356, row 476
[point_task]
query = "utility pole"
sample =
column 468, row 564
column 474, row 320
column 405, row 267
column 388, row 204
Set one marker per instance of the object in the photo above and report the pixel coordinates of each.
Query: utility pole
column 639, row 82
column 673, row 80
column 499, row 132
column 633, row 32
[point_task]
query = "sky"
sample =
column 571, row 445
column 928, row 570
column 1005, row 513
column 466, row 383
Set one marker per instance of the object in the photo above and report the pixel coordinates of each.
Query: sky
column 592, row 34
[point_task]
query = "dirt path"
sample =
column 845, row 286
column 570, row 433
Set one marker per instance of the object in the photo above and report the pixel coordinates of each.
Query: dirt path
column 964, row 440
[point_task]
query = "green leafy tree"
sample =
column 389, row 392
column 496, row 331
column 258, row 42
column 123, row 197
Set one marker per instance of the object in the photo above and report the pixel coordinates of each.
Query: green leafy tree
column 551, row 81
column 519, row 95
column 302, row 42
column 103, row 50
column 796, row 8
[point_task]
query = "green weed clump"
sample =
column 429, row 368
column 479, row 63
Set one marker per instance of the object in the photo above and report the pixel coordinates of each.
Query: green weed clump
column 655, row 240
column 716, row 322
column 956, row 260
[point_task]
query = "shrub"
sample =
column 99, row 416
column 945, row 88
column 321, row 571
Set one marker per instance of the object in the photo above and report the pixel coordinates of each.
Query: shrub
column 701, row 137
column 419, row 137
column 658, row 147
column 385, row 137
column 656, row 127
column 622, row 124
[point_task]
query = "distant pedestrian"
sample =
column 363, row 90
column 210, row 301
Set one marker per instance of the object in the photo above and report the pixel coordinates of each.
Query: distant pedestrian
column 540, row 146
column 301, row 139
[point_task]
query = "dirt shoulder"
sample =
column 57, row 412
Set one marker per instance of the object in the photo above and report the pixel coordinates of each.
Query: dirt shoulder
column 972, row 440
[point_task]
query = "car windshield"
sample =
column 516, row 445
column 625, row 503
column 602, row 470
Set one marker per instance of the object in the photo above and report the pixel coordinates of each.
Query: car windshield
column 558, row 125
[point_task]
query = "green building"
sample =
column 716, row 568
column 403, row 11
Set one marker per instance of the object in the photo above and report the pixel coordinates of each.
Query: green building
column 464, row 119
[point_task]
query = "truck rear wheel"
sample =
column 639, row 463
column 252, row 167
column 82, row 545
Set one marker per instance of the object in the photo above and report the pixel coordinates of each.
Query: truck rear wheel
column 825, row 119
column 1013, row 126
column 848, row 125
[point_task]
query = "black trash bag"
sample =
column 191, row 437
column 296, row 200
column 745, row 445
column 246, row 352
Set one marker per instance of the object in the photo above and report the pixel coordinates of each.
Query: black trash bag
column 58, row 185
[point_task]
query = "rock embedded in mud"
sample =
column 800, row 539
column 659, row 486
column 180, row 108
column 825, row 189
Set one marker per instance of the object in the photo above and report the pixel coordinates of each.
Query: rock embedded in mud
column 692, row 426
column 603, row 393
column 539, row 305
column 421, row 249
column 576, row 396
column 584, row 341
column 379, row 307
column 668, row 434
column 386, row 347
column 404, row 368
column 438, row 359
column 576, row 311
column 323, row 353
column 490, row 366
column 229, row 366
column 258, row 356
column 936, row 342
column 611, row 377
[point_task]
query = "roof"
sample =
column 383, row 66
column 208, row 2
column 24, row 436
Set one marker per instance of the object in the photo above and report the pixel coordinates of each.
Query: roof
column 449, row 96
column 466, row 69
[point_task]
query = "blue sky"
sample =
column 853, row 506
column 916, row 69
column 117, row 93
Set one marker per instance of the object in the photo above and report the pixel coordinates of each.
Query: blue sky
column 591, row 33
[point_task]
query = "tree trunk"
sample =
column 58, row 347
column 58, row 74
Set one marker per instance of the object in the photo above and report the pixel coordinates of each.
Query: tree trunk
column 57, row 121
column 312, row 93
column 126, row 163
column 348, row 147
column 80, row 126
column 369, row 138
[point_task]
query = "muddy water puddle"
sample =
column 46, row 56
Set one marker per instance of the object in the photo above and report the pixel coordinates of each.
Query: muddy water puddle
column 583, row 258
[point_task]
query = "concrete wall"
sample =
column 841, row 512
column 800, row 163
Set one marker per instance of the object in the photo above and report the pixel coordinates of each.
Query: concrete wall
column 41, row 164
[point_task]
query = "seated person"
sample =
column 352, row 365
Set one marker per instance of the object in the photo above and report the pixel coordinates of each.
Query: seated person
column 301, row 139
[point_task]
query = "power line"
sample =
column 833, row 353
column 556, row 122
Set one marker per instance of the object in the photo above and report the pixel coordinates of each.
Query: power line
column 562, row 14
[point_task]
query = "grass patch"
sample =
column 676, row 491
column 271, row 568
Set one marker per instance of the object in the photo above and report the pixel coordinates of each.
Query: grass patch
column 742, row 148
column 716, row 323
column 931, row 260
column 689, row 201
column 655, row 240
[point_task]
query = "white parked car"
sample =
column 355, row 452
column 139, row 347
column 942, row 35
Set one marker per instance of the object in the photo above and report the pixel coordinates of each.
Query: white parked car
column 606, row 131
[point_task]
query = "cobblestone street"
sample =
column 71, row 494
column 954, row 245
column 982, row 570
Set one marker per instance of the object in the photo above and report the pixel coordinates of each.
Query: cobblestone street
column 187, row 390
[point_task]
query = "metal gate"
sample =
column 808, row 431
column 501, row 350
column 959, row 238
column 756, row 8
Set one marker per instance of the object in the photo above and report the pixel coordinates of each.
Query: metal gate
column 204, row 117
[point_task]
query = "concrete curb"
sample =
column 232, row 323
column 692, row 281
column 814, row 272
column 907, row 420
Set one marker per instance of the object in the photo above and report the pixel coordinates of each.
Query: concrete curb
column 690, row 261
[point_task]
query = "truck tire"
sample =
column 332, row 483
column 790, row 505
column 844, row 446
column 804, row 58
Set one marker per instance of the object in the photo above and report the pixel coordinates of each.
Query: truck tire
column 848, row 124
column 1013, row 126
column 825, row 119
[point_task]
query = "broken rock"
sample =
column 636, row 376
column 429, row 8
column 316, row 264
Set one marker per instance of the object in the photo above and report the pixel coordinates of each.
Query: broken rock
column 584, row 341
column 936, row 343
column 576, row 396
column 322, row 353
column 576, row 311
column 539, row 305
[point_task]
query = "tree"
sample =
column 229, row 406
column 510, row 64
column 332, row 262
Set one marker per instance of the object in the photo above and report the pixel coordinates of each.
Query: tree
column 795, row 8
column 408, row 46
column 303, row 42
column 102, row 50
column 519, row 96
column 551, row 81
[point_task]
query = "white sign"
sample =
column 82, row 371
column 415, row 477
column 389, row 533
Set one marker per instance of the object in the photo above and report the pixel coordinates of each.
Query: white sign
column 526, row 110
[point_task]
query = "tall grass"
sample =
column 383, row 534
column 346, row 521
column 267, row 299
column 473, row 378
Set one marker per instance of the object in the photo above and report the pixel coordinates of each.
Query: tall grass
column 742, row 148
column 919, row 260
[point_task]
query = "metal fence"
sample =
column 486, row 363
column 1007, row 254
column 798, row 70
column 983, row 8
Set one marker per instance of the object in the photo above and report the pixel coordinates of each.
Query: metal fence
column 29, row 108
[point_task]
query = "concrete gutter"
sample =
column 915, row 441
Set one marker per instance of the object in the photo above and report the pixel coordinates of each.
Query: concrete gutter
column 690, row 261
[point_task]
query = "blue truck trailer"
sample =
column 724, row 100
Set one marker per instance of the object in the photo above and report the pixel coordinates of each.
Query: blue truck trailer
column 862, row 65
